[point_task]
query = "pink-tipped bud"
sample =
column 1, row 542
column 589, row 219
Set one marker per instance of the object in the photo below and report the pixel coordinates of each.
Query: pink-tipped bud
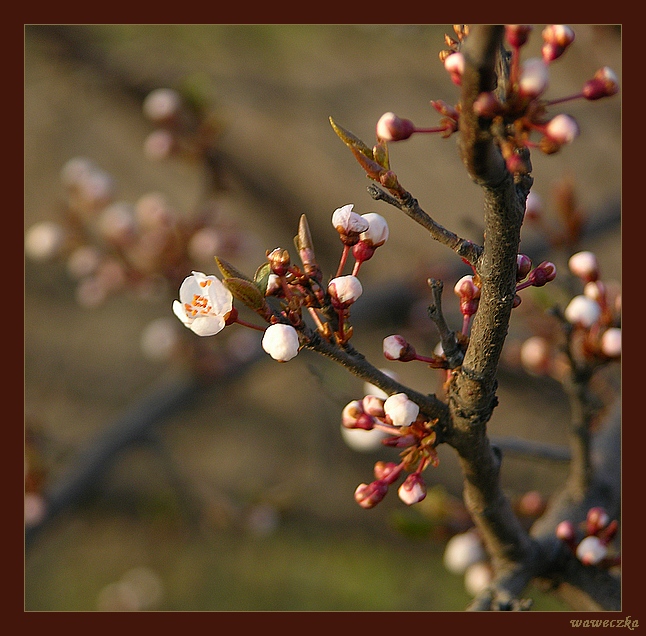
column 534, row 78
column 369, row 495
column 353, row 416
column 603, row 84
column 162, row 105
column 487, row 105
column 401, row 410
column 566, row 532
column 591, row 551
column 373, row 405
column 393, row 128
column 397, row 348
column 387, row 471
column 454, row 64
column 611, row 342
column 523, row 266
column 466, row 288
column 556, row 39
column 517, row 34
column 582, row 311
column 596, row 520
column 562, row 129
column 536, row 355
column 543, row 274
column 413, row 490
column 344, row 290
column 584, row 265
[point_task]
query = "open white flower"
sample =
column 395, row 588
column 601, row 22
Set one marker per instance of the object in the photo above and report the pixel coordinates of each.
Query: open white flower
column 280, row 342
column 204, row 304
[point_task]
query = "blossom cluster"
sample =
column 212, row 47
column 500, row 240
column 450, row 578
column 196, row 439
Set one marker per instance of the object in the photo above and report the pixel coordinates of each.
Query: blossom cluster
column 593, row 547
column 519, row 115
column 592, row 319
column 283, row 294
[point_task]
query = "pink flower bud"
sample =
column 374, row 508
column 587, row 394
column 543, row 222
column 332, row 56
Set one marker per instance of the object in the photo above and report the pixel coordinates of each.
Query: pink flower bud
column 280, row 342
column 159, row 145
column 487, row 105
column 585, row 266
column 603, row 84
column 397, row 348
column 523, row 266
column 534, row 77
column 413, row 490
column 466, row 288
column 611, row 342
column 373, row 405
column 346, row 221
column 591, row 551
column 454, row 64
column 393, row 128
column 517, row 34
column 582, row 311
column 595, row 290
column 535, row 355
column 369, row 495
column 596, row 520
column 562, row 129
column 566, row 532
column 401, row 410
column 345, row 290
column 353, row 416
column 556, row 37
column 543, row 274
column 387, row 471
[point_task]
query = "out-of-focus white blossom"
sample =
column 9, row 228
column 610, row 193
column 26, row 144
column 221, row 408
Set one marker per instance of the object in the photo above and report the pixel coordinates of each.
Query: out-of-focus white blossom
column 582, row 311
column 535, row 355
column 584, row 265
column 591, row 550
column 563, row 129
column 162, row 104
column 204, row 304
column 477, row 578
column 44, row 240
column 611, row 342
column 361, row 440
column 280, row 342
column 159, row 339
column 463, row 550
column 534, row 77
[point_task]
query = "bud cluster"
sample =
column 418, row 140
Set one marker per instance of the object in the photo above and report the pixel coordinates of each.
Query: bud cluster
column 591, row 546
column 404, row 427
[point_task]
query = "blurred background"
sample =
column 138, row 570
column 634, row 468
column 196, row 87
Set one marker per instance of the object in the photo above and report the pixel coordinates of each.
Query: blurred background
column 152, row 488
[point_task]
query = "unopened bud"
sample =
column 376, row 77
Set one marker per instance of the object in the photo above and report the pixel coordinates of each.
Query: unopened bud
column 566, row 531
column 556, row 38
column 603, row 84
column 353, row 416
column 517, row 34
column 463, row 550
column 523, row 266
column 584, row 265
column 349, row 224
column 611, row 342
column 377, row 232
column 534, row 77
column 162, row 105
column 44, row 240
column 279, row 260
column 535, row 355
column 369, row 495
column 345, row 290
column 401, row 410
column 596, row 520
column 387, row 471
column 280, row 342
column 397, row 348
column 487, row 105
column 373, row 405
column 562, row 129
column 543, row 274
column 466, row 288
column 393, row 128
column 413, row 490
column 454, row 64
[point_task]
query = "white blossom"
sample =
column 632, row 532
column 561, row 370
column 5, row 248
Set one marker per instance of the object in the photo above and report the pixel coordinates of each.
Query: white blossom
column 463, row 550
column 401, row 410
column 582, row 311
column 591, row 550
column 562, row 129
column 280, row 342
column 611, row 342
column 534, row 77
column 345, row 289
column 43, row 241
column 204, row 304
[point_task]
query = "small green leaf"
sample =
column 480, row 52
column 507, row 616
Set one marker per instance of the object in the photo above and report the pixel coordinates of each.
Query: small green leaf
column 350, row 140
column 247, row 292
column 229, row 271
column 261, row 277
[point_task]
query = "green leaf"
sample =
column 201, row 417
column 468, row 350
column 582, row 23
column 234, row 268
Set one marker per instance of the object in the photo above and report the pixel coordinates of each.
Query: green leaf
column 229, row 271
column 350, row 140
column 261, row 277
column 247, row 292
